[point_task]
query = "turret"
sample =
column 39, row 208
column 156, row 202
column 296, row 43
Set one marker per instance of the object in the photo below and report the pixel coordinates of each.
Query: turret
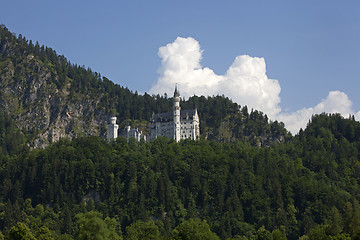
column 176, row 109
column 112, row 129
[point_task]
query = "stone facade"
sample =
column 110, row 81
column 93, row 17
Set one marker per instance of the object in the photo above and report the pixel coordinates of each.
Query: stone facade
column 135, row 133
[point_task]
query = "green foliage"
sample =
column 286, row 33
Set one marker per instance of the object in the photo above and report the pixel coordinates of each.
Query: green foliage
column 12, row 141
column 342, row 236
column 44, row 234
column 91, row 226
column 20, row 232
column 278, row 235
column 193, row 229
column 143, row 230
column 352, row 218
column 236, row 187
column 318, row 233
column 263, row 234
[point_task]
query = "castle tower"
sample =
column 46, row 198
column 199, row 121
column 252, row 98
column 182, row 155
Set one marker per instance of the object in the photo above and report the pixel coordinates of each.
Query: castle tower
column 112, row 129
column 176, row 109
column 196, row 126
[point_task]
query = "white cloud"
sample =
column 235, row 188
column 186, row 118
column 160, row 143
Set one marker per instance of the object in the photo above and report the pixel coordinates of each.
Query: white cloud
column 245, row 82
column 335, row 102
column 181, row 64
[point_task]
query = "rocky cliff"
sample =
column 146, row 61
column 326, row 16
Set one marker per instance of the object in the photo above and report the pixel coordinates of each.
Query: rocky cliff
column 42, row 106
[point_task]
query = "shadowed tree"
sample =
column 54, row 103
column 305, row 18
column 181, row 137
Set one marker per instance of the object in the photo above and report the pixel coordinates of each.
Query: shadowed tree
column 140, row 230
column 193, row 229
column 20, row 232
column 44, row 234
column 91, row 226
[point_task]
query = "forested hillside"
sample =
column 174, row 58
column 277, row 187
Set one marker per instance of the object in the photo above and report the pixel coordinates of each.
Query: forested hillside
column 308, row 186
column 50, row 98
column 246, row 178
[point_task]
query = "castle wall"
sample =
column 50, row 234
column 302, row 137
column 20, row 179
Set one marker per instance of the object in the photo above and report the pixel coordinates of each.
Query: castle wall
column 162, row 129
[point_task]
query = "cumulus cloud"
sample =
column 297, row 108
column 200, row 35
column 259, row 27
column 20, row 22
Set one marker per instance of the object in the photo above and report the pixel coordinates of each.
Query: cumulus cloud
column 335, row 102
column 181, row 64
column 245, row 82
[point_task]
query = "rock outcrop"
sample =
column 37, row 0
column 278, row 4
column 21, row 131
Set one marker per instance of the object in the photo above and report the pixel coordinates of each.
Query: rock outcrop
column 41, row 108
column 40, row 100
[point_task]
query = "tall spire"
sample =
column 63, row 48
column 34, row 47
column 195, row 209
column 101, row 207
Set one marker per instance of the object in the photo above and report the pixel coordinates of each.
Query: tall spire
column 177, row 110
column 176, row 93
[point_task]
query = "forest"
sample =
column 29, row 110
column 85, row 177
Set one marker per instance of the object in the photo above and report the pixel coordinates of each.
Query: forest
column 87, row 188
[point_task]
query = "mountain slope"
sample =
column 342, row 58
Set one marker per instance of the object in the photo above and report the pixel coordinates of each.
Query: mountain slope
column 38, row 93
column 49, row 98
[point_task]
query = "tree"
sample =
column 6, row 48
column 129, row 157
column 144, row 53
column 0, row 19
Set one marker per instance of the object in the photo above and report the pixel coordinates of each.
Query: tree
column 91, row 226
column 143, row 230
column 318, row 233
column 335, row 226
column 263, row 234
column 20, row 232
column 342, row 236
column 44, row 234
column 193, row 229
column 352, row 218
column 278, row 235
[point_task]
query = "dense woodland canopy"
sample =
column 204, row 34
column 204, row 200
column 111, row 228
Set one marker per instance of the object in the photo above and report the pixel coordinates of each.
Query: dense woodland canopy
column 247, row 178
column 308, row 185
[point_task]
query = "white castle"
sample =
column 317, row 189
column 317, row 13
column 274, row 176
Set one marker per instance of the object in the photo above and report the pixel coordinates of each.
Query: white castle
column 135, row 133
column 178, row 124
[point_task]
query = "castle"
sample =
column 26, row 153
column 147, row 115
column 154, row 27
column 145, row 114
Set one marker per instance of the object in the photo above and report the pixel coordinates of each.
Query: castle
column 178, row 124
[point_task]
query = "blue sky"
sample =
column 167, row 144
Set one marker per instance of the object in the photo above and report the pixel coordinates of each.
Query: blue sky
column 310, row 47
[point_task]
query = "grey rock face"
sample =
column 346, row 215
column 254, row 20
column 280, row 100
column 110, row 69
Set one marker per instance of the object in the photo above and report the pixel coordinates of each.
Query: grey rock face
column 40, row 107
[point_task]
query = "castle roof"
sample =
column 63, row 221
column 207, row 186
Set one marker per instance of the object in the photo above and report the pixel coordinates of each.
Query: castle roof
column 169, row 117
column 176, row 92
column 162, row 117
